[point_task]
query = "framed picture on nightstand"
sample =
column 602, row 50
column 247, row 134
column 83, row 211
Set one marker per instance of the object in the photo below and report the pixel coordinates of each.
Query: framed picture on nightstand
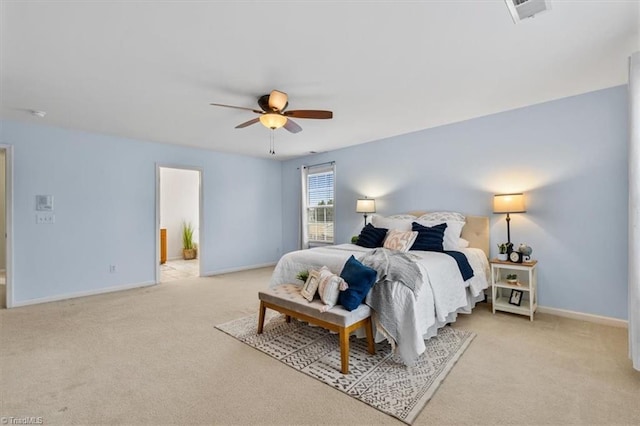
column 516, row 297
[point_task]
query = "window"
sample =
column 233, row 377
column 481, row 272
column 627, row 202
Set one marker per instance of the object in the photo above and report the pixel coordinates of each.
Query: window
column 319, row 200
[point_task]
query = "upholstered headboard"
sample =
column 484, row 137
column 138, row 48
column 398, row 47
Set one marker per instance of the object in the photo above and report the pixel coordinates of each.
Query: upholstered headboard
column 476, row 231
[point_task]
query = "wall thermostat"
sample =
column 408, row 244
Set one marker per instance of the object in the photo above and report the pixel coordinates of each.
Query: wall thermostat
column 44, row 203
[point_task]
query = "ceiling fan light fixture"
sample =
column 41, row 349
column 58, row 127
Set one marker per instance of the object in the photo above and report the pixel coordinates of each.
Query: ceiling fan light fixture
column 272, row 120
column 277, row 100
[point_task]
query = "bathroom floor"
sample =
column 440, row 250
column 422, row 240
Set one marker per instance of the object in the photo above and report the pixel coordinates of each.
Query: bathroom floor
column 179, row 269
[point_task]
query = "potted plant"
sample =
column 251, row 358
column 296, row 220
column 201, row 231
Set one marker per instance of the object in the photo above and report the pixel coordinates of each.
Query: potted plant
column 502, row 251
column 303, row 275
column 512, row 278
column 189, row 249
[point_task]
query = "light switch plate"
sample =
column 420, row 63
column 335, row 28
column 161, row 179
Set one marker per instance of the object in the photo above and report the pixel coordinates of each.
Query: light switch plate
column 45, row 218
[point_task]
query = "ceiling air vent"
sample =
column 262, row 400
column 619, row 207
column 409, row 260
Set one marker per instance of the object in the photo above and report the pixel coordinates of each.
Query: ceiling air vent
column 522, row 9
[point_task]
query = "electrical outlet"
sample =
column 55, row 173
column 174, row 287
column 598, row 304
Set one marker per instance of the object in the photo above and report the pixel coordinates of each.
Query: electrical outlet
column 112, row 268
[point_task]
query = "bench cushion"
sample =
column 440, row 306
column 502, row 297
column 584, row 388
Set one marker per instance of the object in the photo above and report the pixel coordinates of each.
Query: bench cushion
column 288, row 296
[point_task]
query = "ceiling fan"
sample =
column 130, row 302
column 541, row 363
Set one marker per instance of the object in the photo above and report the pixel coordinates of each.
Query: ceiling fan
column 273, row 114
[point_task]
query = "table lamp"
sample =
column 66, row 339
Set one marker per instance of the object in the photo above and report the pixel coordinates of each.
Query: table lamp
column 508, row 203
column 365, row 205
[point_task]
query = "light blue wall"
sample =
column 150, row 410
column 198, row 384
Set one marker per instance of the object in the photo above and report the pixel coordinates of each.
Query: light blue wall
column 568, row 156
column 104, row 201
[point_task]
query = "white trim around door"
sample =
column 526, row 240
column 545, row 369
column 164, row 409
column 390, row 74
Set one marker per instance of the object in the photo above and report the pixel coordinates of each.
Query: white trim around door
column 8, row 149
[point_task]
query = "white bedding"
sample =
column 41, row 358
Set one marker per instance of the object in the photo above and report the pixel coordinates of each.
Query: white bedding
column 442, row 295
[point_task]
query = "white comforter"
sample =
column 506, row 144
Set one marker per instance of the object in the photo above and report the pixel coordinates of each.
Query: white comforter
column 442, row 292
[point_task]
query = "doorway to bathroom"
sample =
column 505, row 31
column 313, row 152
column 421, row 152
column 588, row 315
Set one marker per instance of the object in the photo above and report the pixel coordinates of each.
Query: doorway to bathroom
column 179, row 208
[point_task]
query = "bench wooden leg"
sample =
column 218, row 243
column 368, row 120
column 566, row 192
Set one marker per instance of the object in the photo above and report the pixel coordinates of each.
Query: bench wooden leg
column 344, row 350
column 287, row 318
column 261, row 317
column 369, row 330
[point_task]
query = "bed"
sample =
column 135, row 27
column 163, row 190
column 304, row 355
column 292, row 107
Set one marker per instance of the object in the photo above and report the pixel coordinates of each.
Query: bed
column 440, row 292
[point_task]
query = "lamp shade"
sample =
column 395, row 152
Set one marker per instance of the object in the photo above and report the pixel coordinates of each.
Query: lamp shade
column 366, row 205
column 508, row 203
column 273, row 121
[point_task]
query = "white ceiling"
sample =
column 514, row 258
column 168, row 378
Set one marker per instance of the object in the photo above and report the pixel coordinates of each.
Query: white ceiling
column 149, row 69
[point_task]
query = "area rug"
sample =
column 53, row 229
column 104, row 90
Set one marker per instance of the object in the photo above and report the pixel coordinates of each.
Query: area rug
column 376, row 380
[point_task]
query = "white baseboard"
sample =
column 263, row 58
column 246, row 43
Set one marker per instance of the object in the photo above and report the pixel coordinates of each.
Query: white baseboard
column 124, row 287
column 598, row 319
column 80, row 294
column 239, row 269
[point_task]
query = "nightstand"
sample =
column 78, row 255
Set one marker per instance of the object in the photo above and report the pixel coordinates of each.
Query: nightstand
column 524, row 300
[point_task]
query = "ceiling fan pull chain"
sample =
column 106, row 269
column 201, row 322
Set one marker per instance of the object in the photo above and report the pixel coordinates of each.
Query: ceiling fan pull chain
column 272, row 149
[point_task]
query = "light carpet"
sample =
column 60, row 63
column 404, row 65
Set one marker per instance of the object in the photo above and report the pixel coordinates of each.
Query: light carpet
column 376, row 380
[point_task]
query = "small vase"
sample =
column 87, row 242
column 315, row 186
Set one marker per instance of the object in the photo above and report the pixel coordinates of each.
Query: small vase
column 502, row 256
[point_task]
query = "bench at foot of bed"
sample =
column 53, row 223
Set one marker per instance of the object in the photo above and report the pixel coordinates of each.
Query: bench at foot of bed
column 286, row 299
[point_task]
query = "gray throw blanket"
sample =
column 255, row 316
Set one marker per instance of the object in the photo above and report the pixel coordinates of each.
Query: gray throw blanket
column 392, row 267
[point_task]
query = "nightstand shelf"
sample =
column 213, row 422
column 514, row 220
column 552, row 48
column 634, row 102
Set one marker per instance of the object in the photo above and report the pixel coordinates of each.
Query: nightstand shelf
column 501, row 290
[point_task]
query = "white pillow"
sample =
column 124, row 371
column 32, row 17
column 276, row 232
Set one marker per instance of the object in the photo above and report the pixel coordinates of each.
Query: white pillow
column 451, row 234
column 329, row 288
column 462, row 243
column 399, row 240
column 392, row 223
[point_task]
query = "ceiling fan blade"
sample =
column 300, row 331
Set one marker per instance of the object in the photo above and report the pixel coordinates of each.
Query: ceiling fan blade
column 292, row 127
column 309, row 113
column 248, row 123
column 277, row 100
column 237, row 107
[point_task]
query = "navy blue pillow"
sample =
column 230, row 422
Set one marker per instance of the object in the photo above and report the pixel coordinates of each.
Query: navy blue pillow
column 429, row 238
column 360, row 279
column 371, row 237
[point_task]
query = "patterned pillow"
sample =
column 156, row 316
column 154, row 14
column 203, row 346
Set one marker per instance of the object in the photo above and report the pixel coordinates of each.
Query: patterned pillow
column 399, row 240
column 402, row 216
column 371, row 237
column 392, row 223
column 329, row 288
column 429, row 237
column 360, row 279
column 444, row 216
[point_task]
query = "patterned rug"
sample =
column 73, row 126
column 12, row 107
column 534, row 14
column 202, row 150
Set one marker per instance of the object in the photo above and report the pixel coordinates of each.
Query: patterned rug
column 376, row 380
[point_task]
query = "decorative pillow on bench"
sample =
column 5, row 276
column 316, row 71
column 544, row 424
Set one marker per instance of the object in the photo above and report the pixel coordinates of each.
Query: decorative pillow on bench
column 360, row 279
column 329, row 288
